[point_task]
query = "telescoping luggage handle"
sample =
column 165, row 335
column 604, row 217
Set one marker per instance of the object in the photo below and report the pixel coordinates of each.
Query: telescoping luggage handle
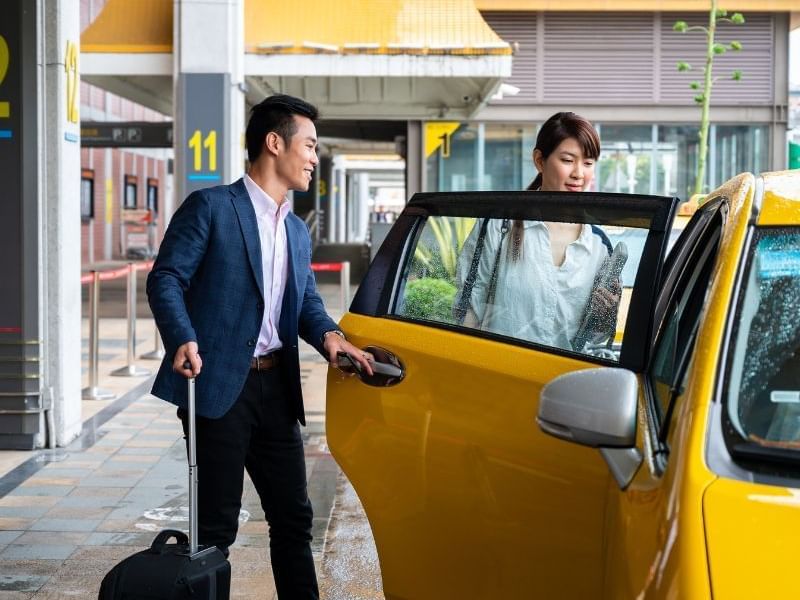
column 192, row 452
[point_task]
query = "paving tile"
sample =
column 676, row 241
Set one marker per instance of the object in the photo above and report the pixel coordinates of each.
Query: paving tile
column 252, row 540
column 41, row 490
column 30, row 567
column 14, row 523
column 37, row 552
column 29, row 500
column 74, row 538
column 108, row 471
column 120, row 538
column 133, row 458
column 33, row 512
column 65, row 525
column 118, row 525
column 253, row 527
column 22, row 582
column 5, row 595
column 111, row 481
column 47, row 480
column 149, row 451
column 6, row 537
column 89, row 502
column 262, row 587
column 111, row 554
column 98, row 491
column 137, row 443
column 63, row 587
column 78, row 512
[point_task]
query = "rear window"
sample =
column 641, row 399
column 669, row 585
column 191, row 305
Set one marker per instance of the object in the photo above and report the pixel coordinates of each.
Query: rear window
column 763, row 395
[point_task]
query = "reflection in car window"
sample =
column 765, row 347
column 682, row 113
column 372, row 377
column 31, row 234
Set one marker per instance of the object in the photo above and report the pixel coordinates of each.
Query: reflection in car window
column 490, row 275
column 764, row 388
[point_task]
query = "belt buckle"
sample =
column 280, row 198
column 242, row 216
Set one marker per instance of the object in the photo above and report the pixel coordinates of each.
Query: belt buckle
column 258, row 363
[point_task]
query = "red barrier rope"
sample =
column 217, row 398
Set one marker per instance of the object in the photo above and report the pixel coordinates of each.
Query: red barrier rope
column 117, row 273
column 327, row 266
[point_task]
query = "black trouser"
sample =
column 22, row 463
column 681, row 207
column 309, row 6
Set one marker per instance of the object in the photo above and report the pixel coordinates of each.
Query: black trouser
column 259, row 433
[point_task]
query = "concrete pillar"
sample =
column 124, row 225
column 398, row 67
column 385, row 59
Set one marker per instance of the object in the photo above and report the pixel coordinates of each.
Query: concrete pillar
column 209, row 106
column 415, row 159
column 362, row 206
column 60, row 264
column 341, row 205
column 40, row 301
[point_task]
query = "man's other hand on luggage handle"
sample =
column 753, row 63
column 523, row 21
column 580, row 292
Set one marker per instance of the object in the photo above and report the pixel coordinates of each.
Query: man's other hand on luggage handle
column 187, row 353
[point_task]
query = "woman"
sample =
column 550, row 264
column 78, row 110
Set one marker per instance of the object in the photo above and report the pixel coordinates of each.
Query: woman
column 534, row 280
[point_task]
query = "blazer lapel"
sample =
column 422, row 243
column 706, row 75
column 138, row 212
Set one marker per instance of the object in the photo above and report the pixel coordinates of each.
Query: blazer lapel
column 289, row 306
column 249, row 226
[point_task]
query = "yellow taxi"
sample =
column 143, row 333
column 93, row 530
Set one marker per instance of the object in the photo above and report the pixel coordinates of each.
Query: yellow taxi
column 653, row 456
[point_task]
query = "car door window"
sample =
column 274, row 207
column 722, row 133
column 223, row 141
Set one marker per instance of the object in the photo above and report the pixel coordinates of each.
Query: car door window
column 763, row 384
column 565, row 282
column 679, row 309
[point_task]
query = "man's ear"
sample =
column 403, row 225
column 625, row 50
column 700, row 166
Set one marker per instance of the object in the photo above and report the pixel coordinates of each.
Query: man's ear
column 273, row 143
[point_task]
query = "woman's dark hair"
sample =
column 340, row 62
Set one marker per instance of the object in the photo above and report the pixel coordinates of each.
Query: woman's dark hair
column 275, row 113
column 556, row 129
column 560, row 127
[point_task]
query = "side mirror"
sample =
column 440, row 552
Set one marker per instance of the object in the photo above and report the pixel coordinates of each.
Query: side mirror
column 593, row 407
column 597, row 408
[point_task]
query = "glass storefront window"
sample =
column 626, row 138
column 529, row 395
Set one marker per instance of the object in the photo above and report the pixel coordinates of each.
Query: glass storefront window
column 677, row 162
column 641, row 159
column 738, row 148
column 626, row 154
column 479, row 156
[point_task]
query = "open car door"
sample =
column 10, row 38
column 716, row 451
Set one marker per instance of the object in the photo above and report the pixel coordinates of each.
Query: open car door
column 466, row 497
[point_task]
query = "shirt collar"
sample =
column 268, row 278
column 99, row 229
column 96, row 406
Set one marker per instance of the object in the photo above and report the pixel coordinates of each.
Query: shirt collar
column 263, row 203
column 584, row 239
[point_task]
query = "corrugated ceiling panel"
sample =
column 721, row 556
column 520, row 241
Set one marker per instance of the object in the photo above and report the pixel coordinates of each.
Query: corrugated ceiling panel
column 519, row 27
column 598, row 57
column 755, row 61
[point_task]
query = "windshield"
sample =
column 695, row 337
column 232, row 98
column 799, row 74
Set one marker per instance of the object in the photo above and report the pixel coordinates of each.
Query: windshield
column 764, row 378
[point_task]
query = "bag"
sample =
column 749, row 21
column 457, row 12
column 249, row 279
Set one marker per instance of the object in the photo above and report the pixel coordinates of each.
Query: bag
column 169, row 571
column 173, row 571
column 462, row 305
column 594, row 329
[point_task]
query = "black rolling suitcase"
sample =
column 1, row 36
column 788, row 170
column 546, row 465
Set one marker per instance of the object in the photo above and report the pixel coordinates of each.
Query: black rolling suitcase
column 173, row 571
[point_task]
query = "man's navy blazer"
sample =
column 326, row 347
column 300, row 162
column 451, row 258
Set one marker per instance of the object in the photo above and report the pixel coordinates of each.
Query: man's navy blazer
column 207, row 286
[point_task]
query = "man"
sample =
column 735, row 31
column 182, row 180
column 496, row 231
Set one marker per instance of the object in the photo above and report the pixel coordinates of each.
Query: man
column 231, row 290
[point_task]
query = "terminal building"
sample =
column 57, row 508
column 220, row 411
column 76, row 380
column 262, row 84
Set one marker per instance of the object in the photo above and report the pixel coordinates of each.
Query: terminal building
column 116, row 110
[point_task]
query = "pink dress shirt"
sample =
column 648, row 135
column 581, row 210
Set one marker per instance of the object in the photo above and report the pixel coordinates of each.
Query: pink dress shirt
column 274, row 262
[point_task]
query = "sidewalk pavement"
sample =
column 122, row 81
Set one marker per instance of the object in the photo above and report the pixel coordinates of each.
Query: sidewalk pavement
column 68, row 515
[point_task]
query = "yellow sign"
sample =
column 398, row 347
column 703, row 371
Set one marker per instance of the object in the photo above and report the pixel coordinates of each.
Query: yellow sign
column 5, row 107
column 196, row 143
column 71, row 67
column 109, row 201
column 437, row 135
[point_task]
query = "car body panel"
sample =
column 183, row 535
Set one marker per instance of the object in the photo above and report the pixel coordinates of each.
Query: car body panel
column 781, row 204
column 425, row 456
column 545, row 518
column 752, row 530
column 656, row 541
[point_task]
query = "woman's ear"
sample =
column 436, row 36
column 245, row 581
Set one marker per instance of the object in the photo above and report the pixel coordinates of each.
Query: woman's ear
column 538, row 160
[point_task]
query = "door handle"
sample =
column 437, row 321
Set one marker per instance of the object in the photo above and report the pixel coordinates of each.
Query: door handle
column 387, row 369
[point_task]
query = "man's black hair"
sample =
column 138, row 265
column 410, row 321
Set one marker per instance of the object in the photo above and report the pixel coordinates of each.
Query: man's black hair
column 275, row 113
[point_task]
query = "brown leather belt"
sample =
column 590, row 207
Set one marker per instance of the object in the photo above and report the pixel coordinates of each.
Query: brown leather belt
column 265, row 361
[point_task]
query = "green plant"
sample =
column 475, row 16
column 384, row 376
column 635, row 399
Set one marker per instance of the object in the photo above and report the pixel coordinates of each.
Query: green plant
column 703, row 98
column 429, row 298
column 440, row 258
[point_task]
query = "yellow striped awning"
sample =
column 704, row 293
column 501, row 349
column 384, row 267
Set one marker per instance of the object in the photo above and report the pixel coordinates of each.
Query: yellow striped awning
column 124, row 26
column 374, row 27
column 418, row 27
